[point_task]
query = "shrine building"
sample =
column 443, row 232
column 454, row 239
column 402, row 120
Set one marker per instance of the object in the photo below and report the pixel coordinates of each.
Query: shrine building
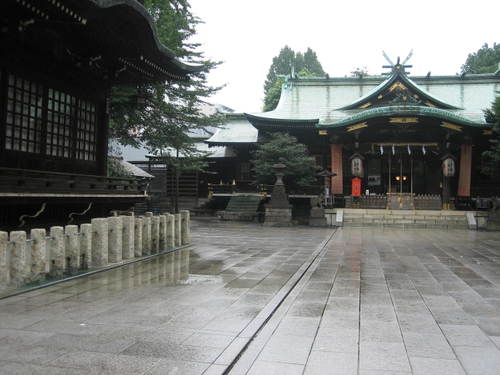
column 58, row 63
column 395, row 141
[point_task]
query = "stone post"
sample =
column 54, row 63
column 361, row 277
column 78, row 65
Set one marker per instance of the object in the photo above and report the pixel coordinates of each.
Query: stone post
column 185, row 231
column 163, row 233
column 19, row 266
column 4, row 260
column 170, row 231
column 56, row 251
column 39, row 264
column 128, row 237
column 155, row 234
column 99, row 242
column 115, row 235
column 72, row 248
column 146, row 235
column 178, row 232
column 138, row 224
column 85, row 246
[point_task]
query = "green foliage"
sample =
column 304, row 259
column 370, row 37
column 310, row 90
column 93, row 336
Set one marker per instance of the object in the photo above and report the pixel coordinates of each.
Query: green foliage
column 160, row 115
column 491, row 158
column 485, row 60
column 283, row 148
column 306, row 64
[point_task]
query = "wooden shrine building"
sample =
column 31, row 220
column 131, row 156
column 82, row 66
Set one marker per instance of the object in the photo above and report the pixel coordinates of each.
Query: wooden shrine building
column 58, row 62
column 395, row 141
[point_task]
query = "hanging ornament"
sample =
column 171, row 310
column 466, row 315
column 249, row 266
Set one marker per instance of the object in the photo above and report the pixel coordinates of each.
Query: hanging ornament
column 409, row 150
column 448, row 166
column 423, row 150
column 381, row 150
column 357, row 169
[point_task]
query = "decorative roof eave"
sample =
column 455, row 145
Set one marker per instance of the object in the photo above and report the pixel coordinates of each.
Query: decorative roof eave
column 280, row 123
column 404, row 110
column 176, row 69
column 397, row 74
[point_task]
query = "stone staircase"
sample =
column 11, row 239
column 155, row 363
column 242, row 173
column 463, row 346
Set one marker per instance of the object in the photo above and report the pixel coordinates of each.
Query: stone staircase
column 442, row 219
column 241, row 208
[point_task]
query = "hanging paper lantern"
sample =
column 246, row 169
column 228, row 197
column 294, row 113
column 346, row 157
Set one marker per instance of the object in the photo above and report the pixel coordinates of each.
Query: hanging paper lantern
column 357, row 166
column 448, row 167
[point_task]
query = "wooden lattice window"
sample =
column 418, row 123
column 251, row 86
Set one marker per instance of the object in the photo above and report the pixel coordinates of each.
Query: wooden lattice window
column 61, row 107
column 24, row 115
column 86, row 131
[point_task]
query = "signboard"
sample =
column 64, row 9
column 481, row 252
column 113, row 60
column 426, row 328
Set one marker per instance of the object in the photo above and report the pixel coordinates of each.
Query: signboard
column 356, row 187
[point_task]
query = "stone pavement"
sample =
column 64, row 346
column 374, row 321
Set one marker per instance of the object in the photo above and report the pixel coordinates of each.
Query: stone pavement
column 364, row 301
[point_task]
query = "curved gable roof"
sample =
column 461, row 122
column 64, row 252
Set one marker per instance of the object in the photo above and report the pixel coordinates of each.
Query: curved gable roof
column 398, row 79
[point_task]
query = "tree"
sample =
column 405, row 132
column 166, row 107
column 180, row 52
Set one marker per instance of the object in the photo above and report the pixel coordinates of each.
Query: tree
column 485, row 60
column 306, row 64
column 159, row 116
column 283, row 148
column 359, row 72
column 491, row 158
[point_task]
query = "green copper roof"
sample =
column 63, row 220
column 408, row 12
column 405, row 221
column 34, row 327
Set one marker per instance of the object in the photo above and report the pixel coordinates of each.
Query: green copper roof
column 398, row 74
column 349, row 117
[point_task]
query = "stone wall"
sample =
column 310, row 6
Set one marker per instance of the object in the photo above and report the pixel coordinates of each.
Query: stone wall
column 31, row 257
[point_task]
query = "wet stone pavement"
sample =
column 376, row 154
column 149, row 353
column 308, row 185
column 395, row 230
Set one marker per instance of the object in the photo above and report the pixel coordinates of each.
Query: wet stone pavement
column 299, row 300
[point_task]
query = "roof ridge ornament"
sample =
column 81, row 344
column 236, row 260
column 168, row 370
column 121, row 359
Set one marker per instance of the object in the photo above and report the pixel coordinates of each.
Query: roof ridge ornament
column 398, row 67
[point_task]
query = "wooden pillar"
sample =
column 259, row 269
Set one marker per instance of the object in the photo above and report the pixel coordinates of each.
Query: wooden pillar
column 464, row 176
column 337, row 185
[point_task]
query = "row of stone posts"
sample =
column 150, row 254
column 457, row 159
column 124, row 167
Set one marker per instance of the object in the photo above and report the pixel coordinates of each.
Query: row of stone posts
column 26, row 258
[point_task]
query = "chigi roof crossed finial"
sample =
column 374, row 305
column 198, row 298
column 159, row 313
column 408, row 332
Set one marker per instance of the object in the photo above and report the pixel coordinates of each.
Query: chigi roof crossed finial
column 398, row 65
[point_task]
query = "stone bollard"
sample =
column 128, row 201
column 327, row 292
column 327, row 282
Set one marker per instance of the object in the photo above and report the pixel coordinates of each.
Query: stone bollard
column 56, row 251
column 178, row 233
column 155, row 235
column 146, row 235
column 163, row 233
column 138, row 224
column 185, row 231
column 19, row 265
column 115, row 235
column 85, row 246
column 128, row 237
column 4, row 260
column 170, row 231
column 72, row 248
column 39, row 258
column 99, row 242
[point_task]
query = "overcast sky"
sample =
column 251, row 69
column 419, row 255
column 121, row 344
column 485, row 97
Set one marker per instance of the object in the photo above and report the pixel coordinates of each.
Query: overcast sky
column 247, row 34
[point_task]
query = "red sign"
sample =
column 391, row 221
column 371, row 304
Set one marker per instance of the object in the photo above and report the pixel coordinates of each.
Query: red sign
column 356, row 187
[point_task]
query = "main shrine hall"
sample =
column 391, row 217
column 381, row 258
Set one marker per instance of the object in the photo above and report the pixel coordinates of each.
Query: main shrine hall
column 394, row 140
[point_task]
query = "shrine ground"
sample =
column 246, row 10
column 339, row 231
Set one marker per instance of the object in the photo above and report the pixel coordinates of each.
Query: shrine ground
column 250, row 299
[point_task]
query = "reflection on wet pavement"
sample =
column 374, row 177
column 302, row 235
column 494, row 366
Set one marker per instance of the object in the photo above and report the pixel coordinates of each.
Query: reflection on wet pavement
column 172, row 314
column 375, row 301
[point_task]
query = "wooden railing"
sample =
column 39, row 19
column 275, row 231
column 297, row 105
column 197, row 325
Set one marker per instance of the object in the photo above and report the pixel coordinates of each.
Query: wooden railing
column 32, row 182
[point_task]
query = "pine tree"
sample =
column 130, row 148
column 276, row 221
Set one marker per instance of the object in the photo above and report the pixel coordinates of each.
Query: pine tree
column 160, row 116
column 283, row 148
column 485, row 60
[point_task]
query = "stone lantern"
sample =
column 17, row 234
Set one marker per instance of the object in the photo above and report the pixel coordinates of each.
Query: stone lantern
column 279, row 210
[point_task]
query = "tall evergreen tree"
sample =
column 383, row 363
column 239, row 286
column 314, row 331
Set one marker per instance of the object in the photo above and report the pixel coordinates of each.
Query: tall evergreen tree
column 160, row 115
column 305, row 64
column 167, row 111
column 485, row 60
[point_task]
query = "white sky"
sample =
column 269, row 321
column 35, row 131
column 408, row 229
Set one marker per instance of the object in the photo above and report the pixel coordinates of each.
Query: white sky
column 247, row 34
